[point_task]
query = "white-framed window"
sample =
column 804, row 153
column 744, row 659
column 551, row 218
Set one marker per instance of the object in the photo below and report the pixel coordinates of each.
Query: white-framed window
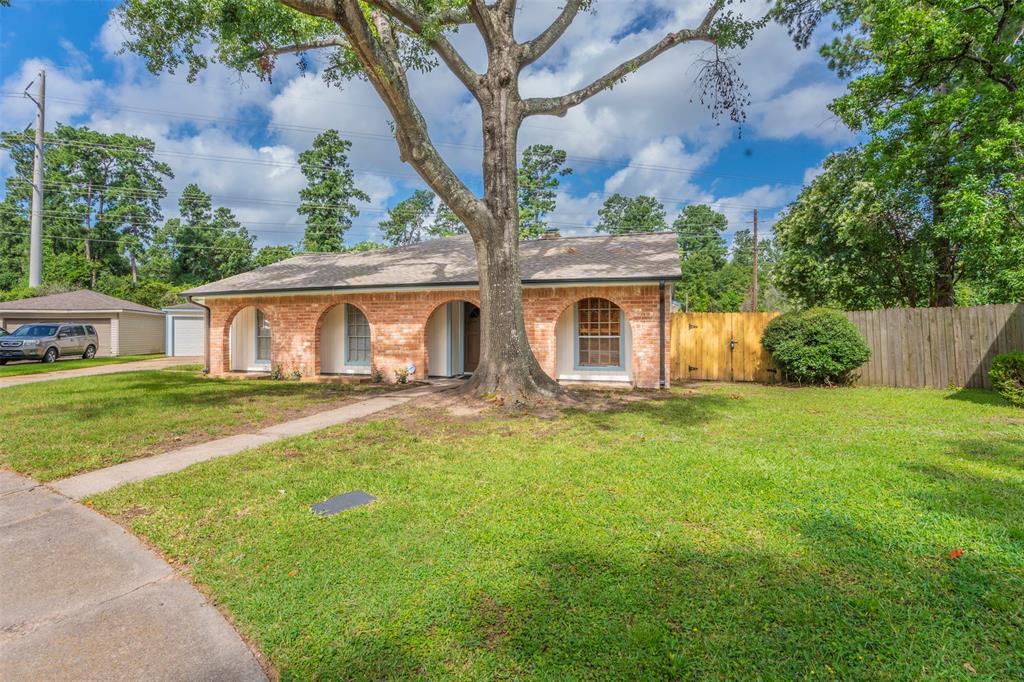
column 598, row 334
column 262, row 337
column 357, row 337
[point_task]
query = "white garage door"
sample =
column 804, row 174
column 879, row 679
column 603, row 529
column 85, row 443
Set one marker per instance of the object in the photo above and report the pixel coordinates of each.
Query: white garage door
column 187, row 335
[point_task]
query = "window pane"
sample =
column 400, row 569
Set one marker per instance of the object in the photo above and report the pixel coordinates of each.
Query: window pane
column 599, row 330
column 357, row 336
column 262, row 337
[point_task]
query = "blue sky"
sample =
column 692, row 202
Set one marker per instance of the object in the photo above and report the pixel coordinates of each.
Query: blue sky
column 239, row 138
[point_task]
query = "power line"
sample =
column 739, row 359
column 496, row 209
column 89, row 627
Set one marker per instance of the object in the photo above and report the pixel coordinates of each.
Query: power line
column 457, row 145
column 280, row 202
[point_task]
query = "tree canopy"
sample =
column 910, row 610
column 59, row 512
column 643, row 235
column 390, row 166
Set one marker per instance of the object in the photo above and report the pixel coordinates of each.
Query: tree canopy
column 926, row 210
column 327, row 198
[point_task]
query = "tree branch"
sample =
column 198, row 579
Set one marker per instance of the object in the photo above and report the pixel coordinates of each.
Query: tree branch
column 303, row 47
column 418, row 24
column 557, row 106
column 314, row 8
column 536, row 48
column 388, row 78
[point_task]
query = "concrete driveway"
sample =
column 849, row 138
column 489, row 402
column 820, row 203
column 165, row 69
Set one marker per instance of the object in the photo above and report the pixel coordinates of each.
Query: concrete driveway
column 85, row 600
column 157, row 363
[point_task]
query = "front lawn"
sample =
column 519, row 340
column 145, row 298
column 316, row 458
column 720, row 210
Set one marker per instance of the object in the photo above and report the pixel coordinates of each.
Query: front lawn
column 731, row 532
column 53, row 429
column 21, row 367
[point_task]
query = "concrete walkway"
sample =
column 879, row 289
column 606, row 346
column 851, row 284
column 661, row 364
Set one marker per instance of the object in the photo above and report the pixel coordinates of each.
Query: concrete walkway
column 157, row 363
column 94, row 482
column 84, row 600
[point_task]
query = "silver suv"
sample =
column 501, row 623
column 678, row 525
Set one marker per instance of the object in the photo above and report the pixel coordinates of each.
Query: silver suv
column 47, row 341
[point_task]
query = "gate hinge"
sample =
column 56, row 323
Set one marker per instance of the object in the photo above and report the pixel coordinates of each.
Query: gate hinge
column 691, row 368
column 691, row 325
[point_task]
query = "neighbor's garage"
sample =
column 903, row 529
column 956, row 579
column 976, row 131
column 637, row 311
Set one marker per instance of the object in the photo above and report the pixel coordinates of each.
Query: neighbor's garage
column 186, row 330
column 123, row 327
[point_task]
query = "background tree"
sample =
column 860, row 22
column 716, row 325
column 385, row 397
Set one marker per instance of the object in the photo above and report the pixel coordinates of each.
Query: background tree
column 268, row 255
column 539, row 170
column 446, row 223
column 854, row 240
column 101, row 202
column 203, row 244
column 935, row 89
column 626, row 215
column 327, row 198
column 702, row 253
column 407, row 222
column 381, row 40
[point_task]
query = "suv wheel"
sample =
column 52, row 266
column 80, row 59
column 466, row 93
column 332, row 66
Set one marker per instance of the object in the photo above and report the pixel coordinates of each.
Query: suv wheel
column 90, row 353
column 51, row 355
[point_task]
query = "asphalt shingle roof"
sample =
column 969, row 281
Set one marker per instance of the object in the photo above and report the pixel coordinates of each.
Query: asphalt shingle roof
column 453, row 261
column 80, row 300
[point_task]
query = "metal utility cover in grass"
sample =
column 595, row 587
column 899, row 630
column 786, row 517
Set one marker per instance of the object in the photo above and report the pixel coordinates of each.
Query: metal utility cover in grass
column 340, row 503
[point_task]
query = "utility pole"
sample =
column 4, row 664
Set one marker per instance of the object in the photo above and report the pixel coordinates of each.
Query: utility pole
column 35, row 254
column 754, row 282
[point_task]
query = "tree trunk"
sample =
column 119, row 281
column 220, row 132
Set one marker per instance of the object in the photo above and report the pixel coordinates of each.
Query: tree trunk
column 508, row 369
column 943, row 295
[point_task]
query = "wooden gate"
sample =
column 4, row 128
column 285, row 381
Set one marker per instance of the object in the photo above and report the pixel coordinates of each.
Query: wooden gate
column 721, row 347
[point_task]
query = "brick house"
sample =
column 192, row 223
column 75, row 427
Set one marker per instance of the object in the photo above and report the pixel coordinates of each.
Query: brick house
column 596, row 309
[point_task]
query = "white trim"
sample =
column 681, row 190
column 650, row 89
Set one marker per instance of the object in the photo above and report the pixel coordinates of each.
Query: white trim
column 617, row 376
column 343, row 291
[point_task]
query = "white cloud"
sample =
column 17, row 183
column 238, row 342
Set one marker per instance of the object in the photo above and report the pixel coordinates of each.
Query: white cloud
column 802, row 111
column 646, row 135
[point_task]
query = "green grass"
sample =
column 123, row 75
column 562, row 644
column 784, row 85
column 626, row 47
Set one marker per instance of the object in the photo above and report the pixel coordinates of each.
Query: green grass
column 739, row 532
column 23, row 368
column 53, row 429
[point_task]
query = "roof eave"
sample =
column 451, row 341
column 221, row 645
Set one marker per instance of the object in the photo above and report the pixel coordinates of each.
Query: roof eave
column 428, row 285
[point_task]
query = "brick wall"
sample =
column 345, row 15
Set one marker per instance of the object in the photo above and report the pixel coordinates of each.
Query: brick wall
column 398, row 325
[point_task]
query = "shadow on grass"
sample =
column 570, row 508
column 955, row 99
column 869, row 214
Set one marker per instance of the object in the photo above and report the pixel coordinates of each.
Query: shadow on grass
column 155, row 389
column 683, row 613
column 675, row 411
column 992, row 499
column 978, row 396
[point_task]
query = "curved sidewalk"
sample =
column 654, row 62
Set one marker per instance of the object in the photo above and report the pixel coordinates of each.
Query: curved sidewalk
column 82, row 599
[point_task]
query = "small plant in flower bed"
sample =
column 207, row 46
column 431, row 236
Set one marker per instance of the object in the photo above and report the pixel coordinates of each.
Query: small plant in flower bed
column 1007, row 376
column 402, row 375
column 376, row 374
column 816, row 346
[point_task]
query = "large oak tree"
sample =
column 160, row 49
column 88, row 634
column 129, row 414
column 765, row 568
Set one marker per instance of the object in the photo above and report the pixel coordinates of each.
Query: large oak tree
column 380, row 40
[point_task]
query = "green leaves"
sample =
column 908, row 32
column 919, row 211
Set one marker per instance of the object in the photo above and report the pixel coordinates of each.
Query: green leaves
column 541, row 167
column 626, row 215
column 327, row 199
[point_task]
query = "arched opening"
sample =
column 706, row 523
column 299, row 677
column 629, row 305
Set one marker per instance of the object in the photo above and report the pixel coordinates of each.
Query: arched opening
column 346, row 345
column 593, row 342
column 453, row 339
column 249, row 341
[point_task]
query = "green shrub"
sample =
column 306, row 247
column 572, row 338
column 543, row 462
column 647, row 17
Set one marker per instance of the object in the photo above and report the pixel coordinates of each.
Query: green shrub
column 1007, row 376
column 817, row 346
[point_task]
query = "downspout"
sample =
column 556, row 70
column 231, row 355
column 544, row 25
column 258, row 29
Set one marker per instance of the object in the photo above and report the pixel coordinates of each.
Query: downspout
column 661, row 334
column 206, row 336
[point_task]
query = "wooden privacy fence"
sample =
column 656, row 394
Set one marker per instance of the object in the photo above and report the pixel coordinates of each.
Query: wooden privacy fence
column 910, row 347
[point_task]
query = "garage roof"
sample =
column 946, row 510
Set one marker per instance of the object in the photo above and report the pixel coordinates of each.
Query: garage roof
column 452, row 261
column 81, row 301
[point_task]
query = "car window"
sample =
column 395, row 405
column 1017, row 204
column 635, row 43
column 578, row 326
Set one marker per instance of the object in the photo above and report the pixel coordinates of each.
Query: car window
column 79, row 330
column 35, row 330
column 65, row 330
column 89, row 329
